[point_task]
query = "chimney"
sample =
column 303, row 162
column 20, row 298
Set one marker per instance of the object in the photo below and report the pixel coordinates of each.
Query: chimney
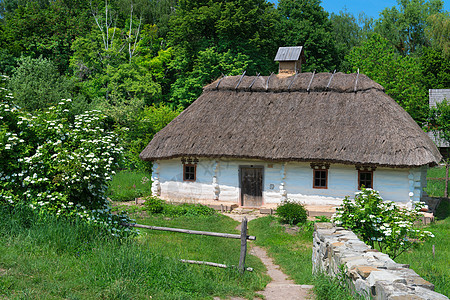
column 290, row 59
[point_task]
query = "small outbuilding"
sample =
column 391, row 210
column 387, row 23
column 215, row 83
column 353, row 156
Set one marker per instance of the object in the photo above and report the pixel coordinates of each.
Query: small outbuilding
column 316, row 138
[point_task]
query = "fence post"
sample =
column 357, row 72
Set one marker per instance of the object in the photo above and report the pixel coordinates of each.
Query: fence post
column 243, row 245
column 447, row 165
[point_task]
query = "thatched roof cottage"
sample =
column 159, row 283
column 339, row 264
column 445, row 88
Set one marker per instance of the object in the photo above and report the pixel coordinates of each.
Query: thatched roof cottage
column 254, row 140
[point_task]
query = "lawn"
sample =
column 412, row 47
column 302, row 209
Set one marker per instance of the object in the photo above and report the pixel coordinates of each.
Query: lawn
column 127, row 185
column 434, row 268
column 55, row 259
column 435, row 188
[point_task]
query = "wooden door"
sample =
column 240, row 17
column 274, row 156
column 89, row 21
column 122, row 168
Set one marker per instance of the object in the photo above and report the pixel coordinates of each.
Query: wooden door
column 251, row 186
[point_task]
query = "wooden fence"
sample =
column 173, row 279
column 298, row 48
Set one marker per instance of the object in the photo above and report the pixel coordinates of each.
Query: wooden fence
column 243, row 237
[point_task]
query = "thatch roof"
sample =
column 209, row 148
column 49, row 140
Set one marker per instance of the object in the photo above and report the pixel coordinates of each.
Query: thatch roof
column 341, row 118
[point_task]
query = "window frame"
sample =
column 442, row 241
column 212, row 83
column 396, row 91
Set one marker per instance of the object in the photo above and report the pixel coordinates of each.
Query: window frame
column 359, row 178
column 195, row 172
column 326, row 178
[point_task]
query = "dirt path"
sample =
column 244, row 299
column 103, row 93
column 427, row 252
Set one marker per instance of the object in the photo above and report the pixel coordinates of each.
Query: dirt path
column 280, row 288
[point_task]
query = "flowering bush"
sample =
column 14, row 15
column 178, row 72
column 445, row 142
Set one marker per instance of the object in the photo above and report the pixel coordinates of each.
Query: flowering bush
column 58, row 163
column 381, row 223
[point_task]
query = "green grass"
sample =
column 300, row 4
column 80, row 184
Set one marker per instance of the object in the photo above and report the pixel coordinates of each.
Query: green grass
column 435, row 269
column 127, row 185
column 55, row 259
column 293, row 253
column 435, row 188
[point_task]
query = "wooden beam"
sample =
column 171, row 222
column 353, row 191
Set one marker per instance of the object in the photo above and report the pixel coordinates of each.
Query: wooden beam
column 216, row 234
column 198, row 262
column 243, row 245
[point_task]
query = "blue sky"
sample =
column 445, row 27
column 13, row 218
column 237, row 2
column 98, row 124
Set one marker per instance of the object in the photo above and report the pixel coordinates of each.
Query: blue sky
column 371, row 8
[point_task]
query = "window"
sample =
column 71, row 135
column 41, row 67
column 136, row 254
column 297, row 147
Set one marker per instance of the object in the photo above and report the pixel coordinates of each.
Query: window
column 320, row 175
column 365, row 178
column 320, row 179
column 189, row 169
column 189, row 172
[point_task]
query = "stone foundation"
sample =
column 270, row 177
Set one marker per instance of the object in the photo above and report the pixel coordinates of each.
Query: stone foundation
column 371, row 273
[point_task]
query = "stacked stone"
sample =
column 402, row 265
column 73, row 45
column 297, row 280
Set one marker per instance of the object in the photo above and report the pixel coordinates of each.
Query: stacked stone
column 371, row 273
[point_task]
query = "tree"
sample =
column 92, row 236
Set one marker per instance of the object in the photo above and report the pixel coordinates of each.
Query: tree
column 305, row 23
column 439, row 32
column 404, row 27
column 210, row 64
column 36, row 84
column 435, row 65
column 203, row 30
column 347, row 33
column 44, row 28
column 399, row 75
column 119, row 69
column 439, row 124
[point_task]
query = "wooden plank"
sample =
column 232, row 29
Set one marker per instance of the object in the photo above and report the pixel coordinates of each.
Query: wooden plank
column 243, row 245
column 216, row 234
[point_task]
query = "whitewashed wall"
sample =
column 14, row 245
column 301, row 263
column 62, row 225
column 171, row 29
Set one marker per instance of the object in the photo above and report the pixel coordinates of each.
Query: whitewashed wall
column 219, row 180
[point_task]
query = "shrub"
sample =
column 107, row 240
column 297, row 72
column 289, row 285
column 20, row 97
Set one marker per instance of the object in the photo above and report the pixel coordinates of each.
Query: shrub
column 36, row 84
column 381, row 223
column 154, row 205
column 291, row 212
column 57, row 163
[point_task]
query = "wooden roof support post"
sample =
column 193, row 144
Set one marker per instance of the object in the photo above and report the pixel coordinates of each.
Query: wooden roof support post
column 329, row 81
column 356, row 82
column 312, row 77
column 254, row 80
column 240, row 79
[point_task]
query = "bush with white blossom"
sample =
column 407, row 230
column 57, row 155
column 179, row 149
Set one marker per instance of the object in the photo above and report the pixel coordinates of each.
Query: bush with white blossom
column 58, row 163
column 381, row 223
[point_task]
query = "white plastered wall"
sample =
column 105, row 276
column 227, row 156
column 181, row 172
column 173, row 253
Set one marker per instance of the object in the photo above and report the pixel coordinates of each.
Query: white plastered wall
column 218, row 179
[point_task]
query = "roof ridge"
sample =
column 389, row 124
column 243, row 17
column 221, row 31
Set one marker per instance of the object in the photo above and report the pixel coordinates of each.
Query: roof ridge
column 299, row 82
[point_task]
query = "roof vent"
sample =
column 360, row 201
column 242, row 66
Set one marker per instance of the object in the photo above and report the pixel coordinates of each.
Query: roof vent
column 290, row 59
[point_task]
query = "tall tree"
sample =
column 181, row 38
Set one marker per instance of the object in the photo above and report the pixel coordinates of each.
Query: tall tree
column 435, row 65
column 347, row 33
column 47, row 28
column 399, row 75
column 220, row 29
column 305, row 23
column 36, row 84
column 439, row 32
column 404, row 26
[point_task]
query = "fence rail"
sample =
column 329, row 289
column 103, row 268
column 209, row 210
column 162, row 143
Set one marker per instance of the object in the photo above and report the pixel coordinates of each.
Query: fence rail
column 188, row 231
column 243, row 237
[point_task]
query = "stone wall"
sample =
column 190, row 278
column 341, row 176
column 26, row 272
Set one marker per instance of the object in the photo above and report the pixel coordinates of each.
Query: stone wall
column 371, row 273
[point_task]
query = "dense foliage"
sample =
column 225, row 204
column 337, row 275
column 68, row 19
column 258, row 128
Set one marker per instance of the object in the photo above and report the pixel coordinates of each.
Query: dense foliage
column 291, row 212
column 381, row 223
column 122, row 56
column 57, row 163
